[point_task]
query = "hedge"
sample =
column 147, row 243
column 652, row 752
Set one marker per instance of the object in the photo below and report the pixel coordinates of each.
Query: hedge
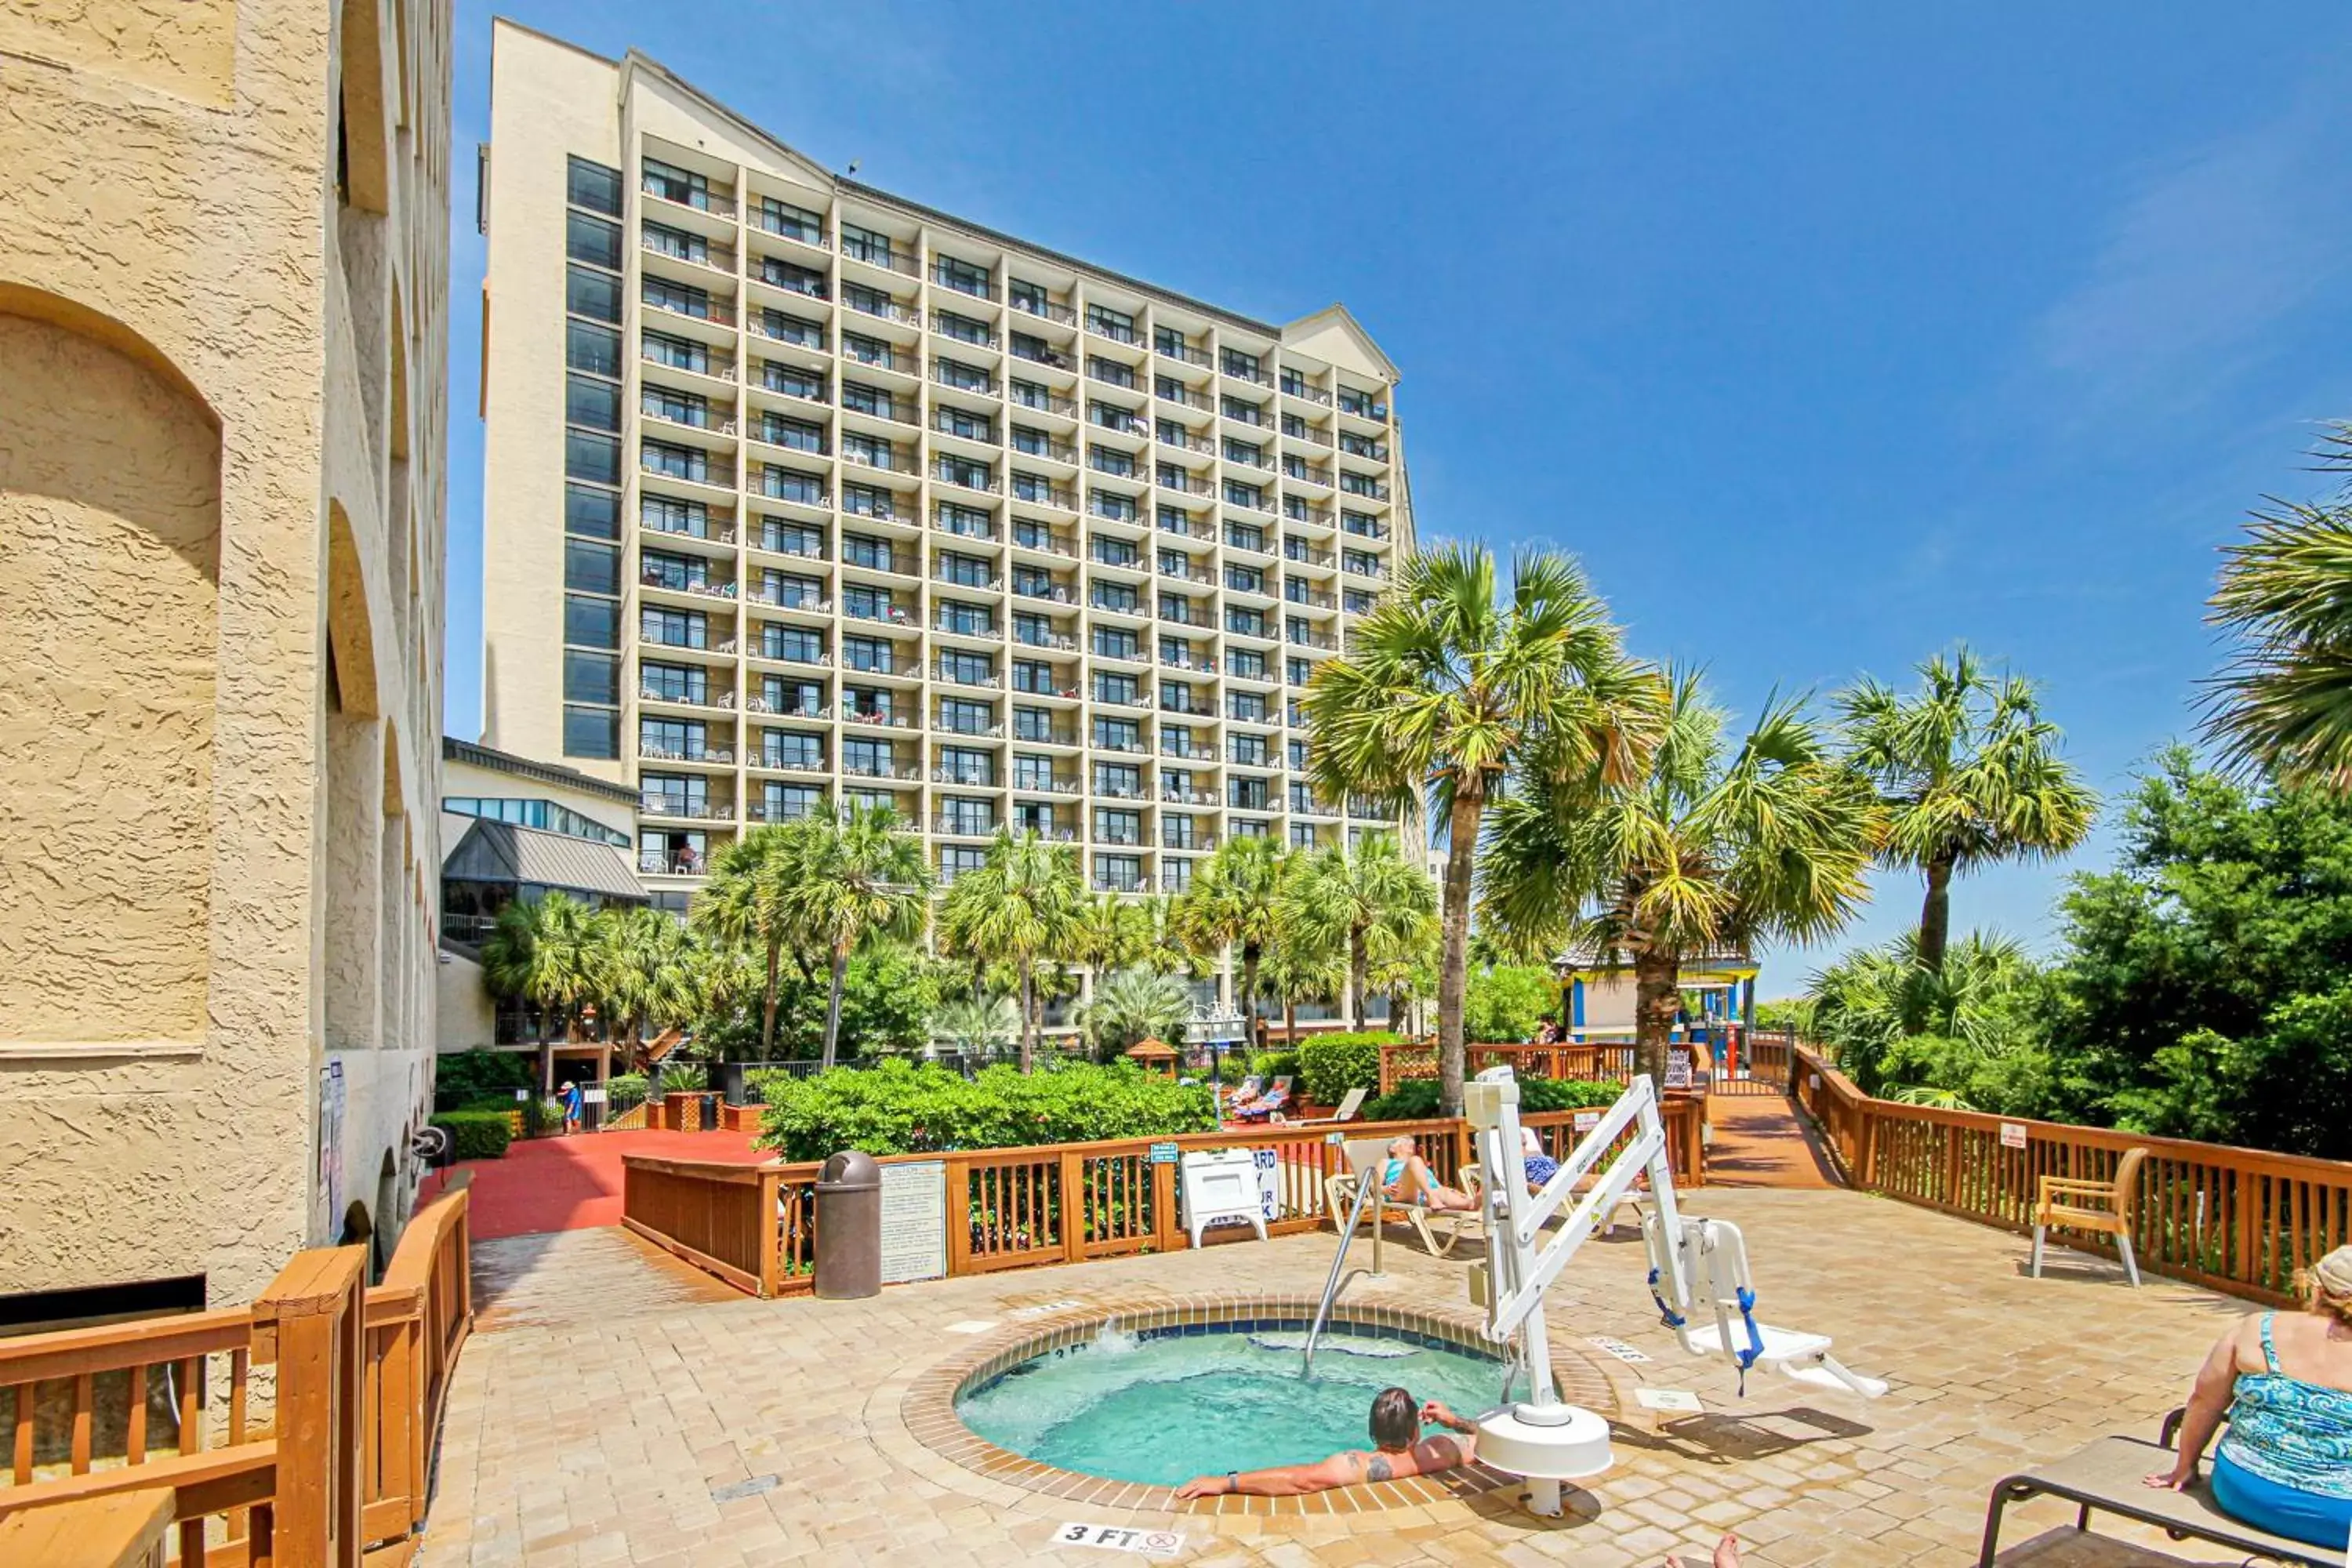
column 481, row 1134
column 466, row 1077
column 1334, row 1064
column 1415, row 1099
column 624, row 1090
column 901, row 1108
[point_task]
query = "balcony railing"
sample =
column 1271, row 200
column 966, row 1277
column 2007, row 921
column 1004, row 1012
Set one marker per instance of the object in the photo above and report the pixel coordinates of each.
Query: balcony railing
column 1309, row 597
column 967, row 478
column 1182, row 482
column 712, row 644
column 1318, row 640
column 1371, row 489
column 1037, row 492
column 1118, row 607
column 1300, row 551
column 1309, row 434
column 1038, row 785
column 888, row 461
column 894, row 563
column 700, row 585
column 781, row 811
column 796, row 710
column 1184, row 396
column 883, row 256
column 1184, row 352
column 879, row 717
column 1047, row 311
column 1372, row 569
column 1258, row 545
column 687, row 808
column 1053, row 593
column 1045, row 402
column 1294, row 387
column 1106, row 883
column 962, row 827
column 716, row 369
column 1371, row 810
column 970, row 630
column 777, row 653
column 985, row 338
column 1050, row 543
column 1198, row 842
column 949, row 673
column 885, row 769
column 682, row 528
column 1047, row 737
column 716, row 258
column 1129, row 748
column 717, row 312
column 725, row 699
column 1039, row 353
column 1240, row 372
column 1189, row 661
column 656, row 754
column 1185, row 752
column 1172, row 795
column 978, row 585
column 980, row 731
column 654, row 863
column 1306, row 472
column 875, row 357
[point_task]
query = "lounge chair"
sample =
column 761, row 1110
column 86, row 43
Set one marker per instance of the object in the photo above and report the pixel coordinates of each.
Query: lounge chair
column 2103, row 1207
column 1364, row 1158
column 2105, row 1477
column 1349, row 1106
column 1261, row 1110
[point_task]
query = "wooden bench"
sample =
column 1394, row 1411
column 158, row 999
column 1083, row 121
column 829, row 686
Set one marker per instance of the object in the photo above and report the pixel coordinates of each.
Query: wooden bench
column 2106, row 1478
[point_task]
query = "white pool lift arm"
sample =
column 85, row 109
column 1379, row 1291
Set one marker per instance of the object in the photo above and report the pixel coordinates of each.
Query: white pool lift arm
column 1698, row 1269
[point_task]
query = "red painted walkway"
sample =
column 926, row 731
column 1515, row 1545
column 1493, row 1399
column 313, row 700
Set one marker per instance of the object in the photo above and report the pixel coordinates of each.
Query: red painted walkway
column 574, row 1184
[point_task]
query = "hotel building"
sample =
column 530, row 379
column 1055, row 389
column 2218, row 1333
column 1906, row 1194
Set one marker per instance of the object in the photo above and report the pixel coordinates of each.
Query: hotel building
column 224, row 318
column 794, row 487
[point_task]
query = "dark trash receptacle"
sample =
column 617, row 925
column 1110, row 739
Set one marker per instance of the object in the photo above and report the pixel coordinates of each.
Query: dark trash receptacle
column 849, row 1227
column 729, row 1075
column 710, row 1122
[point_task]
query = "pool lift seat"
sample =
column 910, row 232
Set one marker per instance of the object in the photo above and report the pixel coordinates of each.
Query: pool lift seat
column 1698, row 1270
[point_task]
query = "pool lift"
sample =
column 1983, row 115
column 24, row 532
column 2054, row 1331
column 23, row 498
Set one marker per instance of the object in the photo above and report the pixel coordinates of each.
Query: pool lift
column 1699, row 1277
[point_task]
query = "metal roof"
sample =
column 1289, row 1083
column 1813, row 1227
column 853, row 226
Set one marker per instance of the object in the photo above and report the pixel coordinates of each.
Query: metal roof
column 528, row 857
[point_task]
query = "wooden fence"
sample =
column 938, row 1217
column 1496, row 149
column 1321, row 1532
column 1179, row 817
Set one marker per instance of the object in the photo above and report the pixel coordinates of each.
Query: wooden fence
column 2238, row 1220
column 324, row 1461
column 1600, row 1061
column 755, row 1225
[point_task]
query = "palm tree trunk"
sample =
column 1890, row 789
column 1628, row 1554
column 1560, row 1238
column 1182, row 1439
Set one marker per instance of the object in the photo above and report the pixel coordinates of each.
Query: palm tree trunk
column 1657, row 994
column 1935, row 915
column 1289, row 1025
column 832, row 1001
column 1359, row 973
column 1028, row 1015
column 1452, row 970
column 768, row 1006
column 1248, row 1009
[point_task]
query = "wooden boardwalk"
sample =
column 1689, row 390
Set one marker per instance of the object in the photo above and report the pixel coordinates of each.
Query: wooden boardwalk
column 1760, row 1142
column 575, row 1278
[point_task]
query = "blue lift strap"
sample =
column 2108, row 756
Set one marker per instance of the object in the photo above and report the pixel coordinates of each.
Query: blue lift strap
column 1667, row 1314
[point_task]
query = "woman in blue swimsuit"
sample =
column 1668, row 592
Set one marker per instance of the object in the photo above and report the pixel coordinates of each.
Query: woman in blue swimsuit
column 2284, row 1380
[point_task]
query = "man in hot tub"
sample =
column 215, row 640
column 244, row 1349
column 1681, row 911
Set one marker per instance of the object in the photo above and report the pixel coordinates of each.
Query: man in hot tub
column 1398, row 1450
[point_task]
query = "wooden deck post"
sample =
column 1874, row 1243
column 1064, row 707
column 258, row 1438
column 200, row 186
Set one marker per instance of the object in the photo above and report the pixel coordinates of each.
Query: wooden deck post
column 312, row 1322
column 770, row 1268
column 1164, row 1228
column 1073, row 1181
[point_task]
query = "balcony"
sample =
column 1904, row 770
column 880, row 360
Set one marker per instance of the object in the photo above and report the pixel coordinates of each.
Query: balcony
column 1118, row 607
column 1046, row 310
column 964, row 828
column 698, row 528
column 690, row 699
column 1039, row 493
column 1356, row 485
column 882, row 457
column 1050, row 450
column 1363, row 405
column 946, row 421
column 725, row 645
column 1118, row 882
column 980, row 629
column 1058, row 642
column 673, row 583
column 1371, row 810
column 969, row 478
column 686, row 807
column 716, row 313
column 1241, row 371
column 1175, row 797
column 1123, row 838
column 1306, row 432
column 1298, row 550
column 1310, row 598
column 880, row 253
column 793, row 709
column 1186, row 751
column 979, row 338
column 1135, row 748
column 1255, row 543
column 1037, row 784
column 716, row 258
column 1199, row 842
column 719, row 201
column 1040, row 353
column 1322, row 642
column 878, row 718
column 1047, row 542
column 1182, row 483
column 1168, row 348
column 1052, row 593
column 702, row 364
column 963, row 381
column 1045, row 402
column 1183, row 396
column 656, row 863
column 885, row 769
column 1189, row 661
column 1306, row 472
column 878, row 356
column 1110, row 416
column 1363, row 446
column 981, row 682
column 964, row 777
column 977, row 732
column 1292, row 386
column 1311, row 807
column 1372, row 569
column 715, row 755
column 1046, row 735
column 780, row 811
column 976, row 584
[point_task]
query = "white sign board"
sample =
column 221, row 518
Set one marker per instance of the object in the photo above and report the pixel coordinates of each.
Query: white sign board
column 1586, row 1120
column 2012, row 1135
column 1120, row 1538
column 914, row 1221
column 1219, row 1185
column 1681, row 1401
column 592, row 1097
column 1678, row 1069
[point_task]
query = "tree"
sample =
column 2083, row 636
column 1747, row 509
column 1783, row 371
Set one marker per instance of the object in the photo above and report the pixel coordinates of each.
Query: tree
column 1298, row 968
column 1965, row 1037
column 2284, row 700
column 1349, row 899
column 1970, row 775
column 863, row 875
column 1016, row 907
column 1705, row 851
column 1129, row 1006
column 544, row 952
column 1451, row 691
column 1235, row 902
column 746, row 903
column 977, row 1025
column 1109, row 932
column 647, row 964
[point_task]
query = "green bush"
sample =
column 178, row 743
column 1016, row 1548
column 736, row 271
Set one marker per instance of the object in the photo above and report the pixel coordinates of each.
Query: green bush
column 1272, row 1064
column 1505, row 1003
column 624, row 1089
column 468, row 1077
column 902, row 1108
column 1415, row 1100
column 475, row 1134
column 1331, row 1064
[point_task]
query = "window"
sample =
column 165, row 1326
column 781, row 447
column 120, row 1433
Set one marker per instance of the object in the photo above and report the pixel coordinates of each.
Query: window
column 866, row 351
column 1250, row 707
column 965, row 522
column 966, row 571
column 966, row 620
column 963, row 766
column 964, row 377
column 793, row 222
column 1029, row 394
column 865, row 501
column 1120, row 780
column 966, row 718
column 1033, row 816
column 673, row 183
column 1246, row 536
column 592, row 623
column 673, row 629
column 678, row 407
column 1235, row 362
column 674, row 682
column 797, row 434
column 1031, row 771
column 1034, row 630
column 1176, row 740
column 593, row 240
column 1028, row 296
column 1362, row 485
column 1245, row 579
column 664, row 240
column 790, row 645
column 1249, row 794
column 1037, row 724
column 675, row 462
column 870, row 758
column 1174, row 391
column 787, row 802
column 955, row 860
column 1118, row 509
column 1118, row 642
column 587, row 401
column 959, row 814
column 596, row 294
column 1240, row 494
column 1116, row 827
column 868, row 550
column 1251, row 828
column 591, row 677
column 1246, row 663
column 788, row 590
column 866, row 245
column 1118, row 873
column 1031, row 676
column 873, row 301
column 1178, row 607
column 1178, row 831
column 965, row 668
column 797, row 280
column 1118, row 596
column 962, row 328
column 791, row 381
column 873, row 654
column 591, row 348
column 591, row 511
column 1124, row 689
column 1363, row 526
column 1249, row 750
column 1176, row 651
column 1242, row 409
column 1356, row 602
column 1110, row 460
column 963, row 422
column 791, row 749
column 592, row 732
column 792, row 330
column 676, row 354
column 792, row 538
column 963, row 277
column 1169, row 340
column 1111, row 371
column 1296, row 670
column 1248, row 452
column 590, row 457
column 593, row 186
column 660, row 294
column 967, row 472
column 591, row 568
column 1246, row 622
column 683, row 740
column 1119, row 734
column 674, row 795
column 792, row 485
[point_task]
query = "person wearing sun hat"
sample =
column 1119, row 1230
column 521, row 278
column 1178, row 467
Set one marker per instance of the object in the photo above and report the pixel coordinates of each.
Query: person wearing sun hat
column 2284, row 1381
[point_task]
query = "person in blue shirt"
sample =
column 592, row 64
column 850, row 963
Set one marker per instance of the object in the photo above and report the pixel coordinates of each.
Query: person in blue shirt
column 573, row 1101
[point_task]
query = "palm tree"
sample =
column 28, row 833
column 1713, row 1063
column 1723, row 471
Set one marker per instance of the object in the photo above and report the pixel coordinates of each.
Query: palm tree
column 2284, row 700
column 1016, row 907
column 1300, row 968
column 646, row 964
column 544, row 952
column 1235, row 902
column 1970, row 775
column 1704, row 851
column 978, row 1025
column 1110, row 931
column 863, row 875
column 1450, row 691
column 1348, row 899
column 1132, row 1004
column 744, row 904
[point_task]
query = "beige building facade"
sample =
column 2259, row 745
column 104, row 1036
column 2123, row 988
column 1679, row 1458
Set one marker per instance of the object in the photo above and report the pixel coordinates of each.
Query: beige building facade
column 794, row 487
column 223, row 290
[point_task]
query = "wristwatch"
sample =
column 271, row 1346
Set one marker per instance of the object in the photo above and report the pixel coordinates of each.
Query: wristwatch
column 1233, row 1481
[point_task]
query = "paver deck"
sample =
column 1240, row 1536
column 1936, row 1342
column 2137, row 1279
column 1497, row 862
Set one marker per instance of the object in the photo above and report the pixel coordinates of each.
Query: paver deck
column 603, row 1428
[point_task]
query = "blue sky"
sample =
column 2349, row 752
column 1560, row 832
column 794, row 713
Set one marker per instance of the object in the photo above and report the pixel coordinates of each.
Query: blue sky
column 1824, row 337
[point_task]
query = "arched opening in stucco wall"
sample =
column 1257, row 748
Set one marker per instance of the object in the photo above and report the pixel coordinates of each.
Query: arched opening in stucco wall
column 109, row 554
column 350, row 823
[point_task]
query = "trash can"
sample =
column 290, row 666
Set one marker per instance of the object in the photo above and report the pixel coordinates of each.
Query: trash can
column 849, row 1227
column 710, row 1112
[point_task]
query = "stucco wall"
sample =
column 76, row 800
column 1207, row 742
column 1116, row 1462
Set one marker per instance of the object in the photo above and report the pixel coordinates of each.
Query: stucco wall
column 171, row 245
column 468, row 1018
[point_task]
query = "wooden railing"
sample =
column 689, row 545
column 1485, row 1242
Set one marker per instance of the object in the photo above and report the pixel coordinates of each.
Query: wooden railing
column 2238, row 1220
column 1049, row 1204
column 329, row 1466
column 1596, row 1062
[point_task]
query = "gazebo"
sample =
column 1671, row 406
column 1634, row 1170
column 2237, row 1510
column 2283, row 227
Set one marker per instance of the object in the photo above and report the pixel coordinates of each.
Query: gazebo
column 1154, row 1056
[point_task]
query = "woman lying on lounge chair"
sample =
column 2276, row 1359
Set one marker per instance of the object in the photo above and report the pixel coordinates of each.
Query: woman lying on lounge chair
column 2285, row 1380
column 1407, row 1179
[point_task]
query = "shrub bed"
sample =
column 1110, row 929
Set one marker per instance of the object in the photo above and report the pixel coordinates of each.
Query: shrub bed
column 1331, row 1064
column 902, row 1108
column 1415, row 1100
column 475, row 1134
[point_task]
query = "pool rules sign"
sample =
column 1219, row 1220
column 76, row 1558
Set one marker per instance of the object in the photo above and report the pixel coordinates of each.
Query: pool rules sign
column 914, row 1221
